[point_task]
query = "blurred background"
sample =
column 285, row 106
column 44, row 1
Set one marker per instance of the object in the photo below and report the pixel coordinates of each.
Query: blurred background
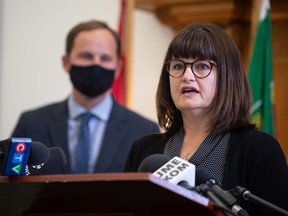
column 33, row 32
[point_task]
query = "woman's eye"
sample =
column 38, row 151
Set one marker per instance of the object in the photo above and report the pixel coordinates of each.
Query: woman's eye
column 178, row 67
column 202, row 66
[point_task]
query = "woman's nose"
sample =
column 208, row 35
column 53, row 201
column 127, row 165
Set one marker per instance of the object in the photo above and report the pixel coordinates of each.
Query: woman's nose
column 188, row 74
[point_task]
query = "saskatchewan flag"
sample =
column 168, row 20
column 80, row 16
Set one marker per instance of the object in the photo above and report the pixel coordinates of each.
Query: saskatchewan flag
column 260, row 73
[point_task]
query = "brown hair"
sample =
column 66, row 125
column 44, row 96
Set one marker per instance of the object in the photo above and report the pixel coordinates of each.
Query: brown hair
column 230, row 107
column 88, row 26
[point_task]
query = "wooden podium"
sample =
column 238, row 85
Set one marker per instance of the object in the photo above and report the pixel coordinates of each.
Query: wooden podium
column 98, row 194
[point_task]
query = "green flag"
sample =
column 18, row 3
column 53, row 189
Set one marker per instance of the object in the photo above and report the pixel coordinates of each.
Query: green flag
column 261, row 73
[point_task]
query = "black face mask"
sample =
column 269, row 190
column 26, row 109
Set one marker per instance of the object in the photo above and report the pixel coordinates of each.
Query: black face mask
column 93, row 80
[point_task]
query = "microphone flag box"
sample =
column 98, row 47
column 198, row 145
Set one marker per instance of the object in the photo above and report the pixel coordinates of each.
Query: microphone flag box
column 177, row 170
column 16, row 155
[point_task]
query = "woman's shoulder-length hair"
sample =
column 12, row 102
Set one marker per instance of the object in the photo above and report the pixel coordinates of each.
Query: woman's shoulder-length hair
column 230, row 107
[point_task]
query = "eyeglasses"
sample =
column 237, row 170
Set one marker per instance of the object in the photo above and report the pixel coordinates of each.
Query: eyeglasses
column 200, row 68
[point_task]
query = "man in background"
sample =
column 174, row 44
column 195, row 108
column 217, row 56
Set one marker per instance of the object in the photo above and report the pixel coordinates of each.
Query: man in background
column 93, row 129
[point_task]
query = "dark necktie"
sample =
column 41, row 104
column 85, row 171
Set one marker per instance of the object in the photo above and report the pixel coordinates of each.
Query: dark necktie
column 82, row 148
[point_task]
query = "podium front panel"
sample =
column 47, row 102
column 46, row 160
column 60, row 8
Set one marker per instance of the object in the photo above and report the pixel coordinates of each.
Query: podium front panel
column 97, row 194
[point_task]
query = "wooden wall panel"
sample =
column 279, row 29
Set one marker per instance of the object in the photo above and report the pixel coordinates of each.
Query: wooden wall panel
column 280, row 63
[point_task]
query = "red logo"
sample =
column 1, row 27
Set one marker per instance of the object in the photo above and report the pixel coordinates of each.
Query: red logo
column 20, row 147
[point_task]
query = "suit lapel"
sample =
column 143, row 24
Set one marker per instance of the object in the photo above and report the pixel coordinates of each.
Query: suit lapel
column 58, row 130
column 113, row 137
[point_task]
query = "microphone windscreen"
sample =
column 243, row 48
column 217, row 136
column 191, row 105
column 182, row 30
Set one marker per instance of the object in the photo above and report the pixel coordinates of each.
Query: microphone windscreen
column 56, row 160
column 57, row 156
column 153, row 162
column 39, row 154
column 202, row 176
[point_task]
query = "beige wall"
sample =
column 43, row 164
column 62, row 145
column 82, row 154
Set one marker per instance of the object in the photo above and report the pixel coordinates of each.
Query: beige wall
column 32, row 43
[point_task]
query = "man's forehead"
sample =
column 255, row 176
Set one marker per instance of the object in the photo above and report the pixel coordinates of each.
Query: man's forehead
column 101, row 38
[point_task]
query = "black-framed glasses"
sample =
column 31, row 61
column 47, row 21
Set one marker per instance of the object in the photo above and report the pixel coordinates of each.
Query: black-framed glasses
column 200, row 68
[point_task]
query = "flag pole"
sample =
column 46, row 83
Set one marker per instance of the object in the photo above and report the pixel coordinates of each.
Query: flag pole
column 128, row 43
column 254, row 21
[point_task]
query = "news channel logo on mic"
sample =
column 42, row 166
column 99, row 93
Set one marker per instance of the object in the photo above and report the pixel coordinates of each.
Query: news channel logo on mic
column 15, row 155
column 177, row 170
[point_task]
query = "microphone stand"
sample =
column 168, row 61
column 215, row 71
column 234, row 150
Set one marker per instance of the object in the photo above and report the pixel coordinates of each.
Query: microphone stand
column 222, row 199
column 204, row 189
column 247, row 195
column 219, row 203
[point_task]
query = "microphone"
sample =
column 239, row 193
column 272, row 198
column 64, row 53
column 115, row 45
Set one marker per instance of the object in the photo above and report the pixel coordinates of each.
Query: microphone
column 181, row 172
column 153, row 162
column 247, row 195
column 57, row 159
column 222, row 198
column 175, row 170
column 16, row 153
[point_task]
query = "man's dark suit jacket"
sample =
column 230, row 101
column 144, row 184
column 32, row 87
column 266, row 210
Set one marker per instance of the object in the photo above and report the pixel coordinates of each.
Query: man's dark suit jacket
column 48, row 125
